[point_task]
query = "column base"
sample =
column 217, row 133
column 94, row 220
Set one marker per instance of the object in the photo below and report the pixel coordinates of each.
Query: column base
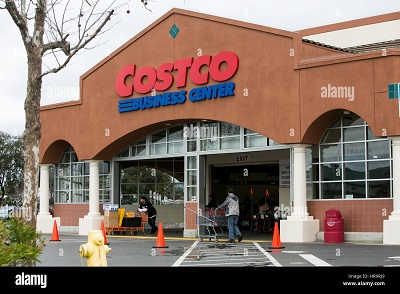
column 391, row 230
column 90, row 223
column 299, row 229
column 190, row 233
column 45, row 223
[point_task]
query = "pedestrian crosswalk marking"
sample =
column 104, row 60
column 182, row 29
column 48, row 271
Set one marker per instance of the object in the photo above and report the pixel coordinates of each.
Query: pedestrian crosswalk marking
column 314, row 260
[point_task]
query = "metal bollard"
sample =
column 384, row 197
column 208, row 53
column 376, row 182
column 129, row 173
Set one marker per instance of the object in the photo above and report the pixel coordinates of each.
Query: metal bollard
column 95, row 251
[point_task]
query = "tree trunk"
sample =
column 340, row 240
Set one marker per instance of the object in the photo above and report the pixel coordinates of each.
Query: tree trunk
column 32, row 132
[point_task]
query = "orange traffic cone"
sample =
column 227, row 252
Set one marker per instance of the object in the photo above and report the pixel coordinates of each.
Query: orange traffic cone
column 104, row 233
column 54, row 236
column 160, row 243
column 276, row 239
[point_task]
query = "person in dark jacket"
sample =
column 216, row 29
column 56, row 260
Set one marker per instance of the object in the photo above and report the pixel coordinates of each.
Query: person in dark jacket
column 213, row 202
column 146, row 206
column 232, row 212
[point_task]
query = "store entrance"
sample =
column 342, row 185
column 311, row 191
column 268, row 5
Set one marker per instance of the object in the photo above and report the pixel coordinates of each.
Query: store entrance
column 252, row 183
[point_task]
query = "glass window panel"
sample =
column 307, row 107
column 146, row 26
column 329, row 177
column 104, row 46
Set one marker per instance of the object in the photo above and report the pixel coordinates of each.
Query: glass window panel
column 140, row 150
column 65, row 158
column 331, row 190
column 210, row 144
column 178, row 177
column 105, row 182
column 124, row 153
column 332, row 136
column 228, row 129
column 86, row 168
column 354, row 171
column 148, row 189
column 312, row 154
column 85, row 182
column 159, row 137
column 178, row 168
column 64, row 170
column 255, row 141
column 179, row 193
column 128, row 199
column 77, row 183
column 105, row 196
column 74, row 158
column 378, row 149
column 192, row 193
column 331, row 172
column 354, row 134
column 141, row 142
column 191, row 146
column 331, row 153
column 77, row 197
column 354, row 189
column 352, row 120
column 192, row 177
column 230, row 143
column 208, row 130
column 379, row 169
column 314, row 192
column 76, row 169
column 354, row 151
column 129, row 189
column 192, row 162
column 370, row 134
column 158, row 149
column 336, row 124
column 175, row 133
column 104, row 167
column 310, row 173
column 272, row 142
column 65, row 183
column 248, row 131
column 176, row 147
column 379, row 189
column 65, row 197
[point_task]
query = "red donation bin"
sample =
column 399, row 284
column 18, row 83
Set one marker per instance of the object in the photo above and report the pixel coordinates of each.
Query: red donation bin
column 333, row 226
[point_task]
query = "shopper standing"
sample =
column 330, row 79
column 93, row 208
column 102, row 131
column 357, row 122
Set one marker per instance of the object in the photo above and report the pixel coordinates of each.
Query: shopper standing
column 231, row 206
column 146, row 206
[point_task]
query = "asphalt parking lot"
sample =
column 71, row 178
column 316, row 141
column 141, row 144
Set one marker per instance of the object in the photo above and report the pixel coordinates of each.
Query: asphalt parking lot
column 142, row 251
column 188, row 261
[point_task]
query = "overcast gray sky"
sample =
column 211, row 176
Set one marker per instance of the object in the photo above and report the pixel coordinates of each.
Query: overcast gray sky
column 288, row 15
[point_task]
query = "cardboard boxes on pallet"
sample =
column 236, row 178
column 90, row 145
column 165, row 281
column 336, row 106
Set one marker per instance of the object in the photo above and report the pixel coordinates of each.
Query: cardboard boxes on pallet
column 111, row 217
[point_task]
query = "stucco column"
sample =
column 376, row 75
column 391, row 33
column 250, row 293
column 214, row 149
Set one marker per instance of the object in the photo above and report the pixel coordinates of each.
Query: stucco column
column 396, row 177
column 92, row 221
column 44, row 189
column 44, row 220
column 391, row 227
column 299, row 226
column 94, row 188
column 299, row 208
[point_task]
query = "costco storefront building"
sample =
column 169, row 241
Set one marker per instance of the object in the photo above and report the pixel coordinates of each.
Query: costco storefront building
column 195, row 104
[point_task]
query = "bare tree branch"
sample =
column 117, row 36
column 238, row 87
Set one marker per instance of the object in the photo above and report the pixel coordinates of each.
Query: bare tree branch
column 18, row 20
column 64, row 46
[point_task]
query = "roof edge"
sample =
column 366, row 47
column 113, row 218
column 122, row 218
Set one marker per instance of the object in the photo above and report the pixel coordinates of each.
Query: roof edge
column 351, row 24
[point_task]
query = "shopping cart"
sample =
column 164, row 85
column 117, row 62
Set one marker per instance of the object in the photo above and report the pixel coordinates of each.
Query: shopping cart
column 210, row 223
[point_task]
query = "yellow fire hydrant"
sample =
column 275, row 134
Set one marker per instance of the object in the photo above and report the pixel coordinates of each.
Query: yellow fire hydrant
column 95, row 250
